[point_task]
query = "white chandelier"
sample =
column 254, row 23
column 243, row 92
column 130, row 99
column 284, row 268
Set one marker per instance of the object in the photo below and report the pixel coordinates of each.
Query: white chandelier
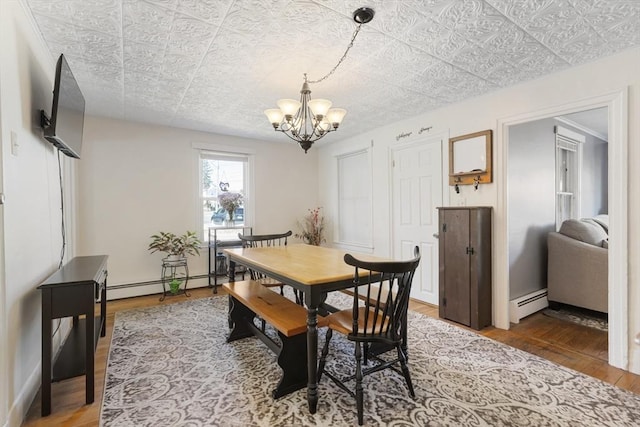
column 308, row 120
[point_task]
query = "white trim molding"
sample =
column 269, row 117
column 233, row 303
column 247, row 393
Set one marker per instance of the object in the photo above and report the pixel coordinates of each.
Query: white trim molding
column 620, row 341
column 582, row 128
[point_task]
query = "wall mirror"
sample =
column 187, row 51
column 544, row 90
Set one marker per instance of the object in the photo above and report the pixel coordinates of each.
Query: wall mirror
column 470, row 159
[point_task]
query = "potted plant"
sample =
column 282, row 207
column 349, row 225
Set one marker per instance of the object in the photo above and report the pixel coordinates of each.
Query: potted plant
column 176, row 247
column 230, row 201
column 312, row 228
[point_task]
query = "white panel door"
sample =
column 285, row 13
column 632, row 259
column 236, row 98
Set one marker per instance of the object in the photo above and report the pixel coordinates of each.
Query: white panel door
column 417, row 191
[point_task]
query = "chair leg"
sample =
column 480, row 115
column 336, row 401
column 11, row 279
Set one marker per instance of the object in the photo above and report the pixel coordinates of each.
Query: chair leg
column 325, row 352
column 366, row 353
column 282, row 290
column 359, row 392
column 405, row 370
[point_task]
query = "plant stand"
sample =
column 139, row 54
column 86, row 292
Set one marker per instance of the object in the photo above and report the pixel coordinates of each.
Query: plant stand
column 174, row 269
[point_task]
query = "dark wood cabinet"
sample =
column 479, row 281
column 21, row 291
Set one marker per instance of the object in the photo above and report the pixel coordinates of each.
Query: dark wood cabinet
column 465, row 265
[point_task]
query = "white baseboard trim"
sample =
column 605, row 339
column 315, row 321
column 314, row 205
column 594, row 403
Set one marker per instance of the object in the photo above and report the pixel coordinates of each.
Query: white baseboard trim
column 24, row 399
column 634, row 359
column 150, row 289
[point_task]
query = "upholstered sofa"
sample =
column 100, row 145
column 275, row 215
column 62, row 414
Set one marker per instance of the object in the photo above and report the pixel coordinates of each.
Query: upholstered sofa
column 578, row 264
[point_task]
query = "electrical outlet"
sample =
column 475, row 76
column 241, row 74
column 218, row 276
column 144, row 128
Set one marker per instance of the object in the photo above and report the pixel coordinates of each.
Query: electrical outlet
column 14, row 143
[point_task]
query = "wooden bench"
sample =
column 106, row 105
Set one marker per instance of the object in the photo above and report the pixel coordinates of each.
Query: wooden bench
column 249, row 299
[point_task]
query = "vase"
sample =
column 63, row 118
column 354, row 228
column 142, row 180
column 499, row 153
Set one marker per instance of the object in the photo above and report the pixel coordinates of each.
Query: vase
column 230, row 215
column 174, row 258
column 174, row 287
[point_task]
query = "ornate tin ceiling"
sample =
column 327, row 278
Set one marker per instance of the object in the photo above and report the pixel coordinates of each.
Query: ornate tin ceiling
column 215, row 65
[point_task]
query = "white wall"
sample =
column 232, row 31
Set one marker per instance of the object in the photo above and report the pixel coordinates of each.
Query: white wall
column 594, row 192
column 591, row 80
column 136, row 180
column 532, row 204
column 32, row 232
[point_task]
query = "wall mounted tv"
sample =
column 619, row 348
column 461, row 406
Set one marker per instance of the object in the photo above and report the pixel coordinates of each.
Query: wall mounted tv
column 64, row 128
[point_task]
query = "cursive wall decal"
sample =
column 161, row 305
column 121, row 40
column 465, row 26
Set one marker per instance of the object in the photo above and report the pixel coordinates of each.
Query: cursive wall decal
column 403, row 135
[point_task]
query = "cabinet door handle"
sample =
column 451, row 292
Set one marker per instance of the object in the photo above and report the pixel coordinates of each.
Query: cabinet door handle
column 469, row 250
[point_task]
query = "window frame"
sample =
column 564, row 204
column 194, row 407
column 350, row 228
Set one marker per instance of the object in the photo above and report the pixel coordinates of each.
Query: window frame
column 568, row 146
column 204, row 150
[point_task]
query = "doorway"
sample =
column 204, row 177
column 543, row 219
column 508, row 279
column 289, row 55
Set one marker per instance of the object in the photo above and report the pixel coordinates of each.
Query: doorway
column 616, row 104
column 557, row 171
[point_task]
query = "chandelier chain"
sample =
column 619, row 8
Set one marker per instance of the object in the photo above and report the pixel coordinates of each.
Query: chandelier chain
column 308, row 120
column 353, row 38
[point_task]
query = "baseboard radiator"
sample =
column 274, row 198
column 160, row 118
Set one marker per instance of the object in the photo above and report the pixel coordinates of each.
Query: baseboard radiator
column 522, row 307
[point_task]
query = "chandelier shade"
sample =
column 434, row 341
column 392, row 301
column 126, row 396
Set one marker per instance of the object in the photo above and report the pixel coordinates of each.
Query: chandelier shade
column 289, row 107
column 308, row 120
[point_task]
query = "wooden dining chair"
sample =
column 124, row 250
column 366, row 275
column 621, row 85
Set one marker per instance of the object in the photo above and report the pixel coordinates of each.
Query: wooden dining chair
column 265, row 241
column 378, row 316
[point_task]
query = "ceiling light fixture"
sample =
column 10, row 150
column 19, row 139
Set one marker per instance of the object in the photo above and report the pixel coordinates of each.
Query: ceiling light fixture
column 308, row 120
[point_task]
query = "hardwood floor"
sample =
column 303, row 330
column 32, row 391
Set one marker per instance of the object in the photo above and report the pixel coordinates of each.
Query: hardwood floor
column 577, row 347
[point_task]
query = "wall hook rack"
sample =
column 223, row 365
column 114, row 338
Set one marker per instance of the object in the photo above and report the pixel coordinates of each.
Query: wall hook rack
column 476, row 182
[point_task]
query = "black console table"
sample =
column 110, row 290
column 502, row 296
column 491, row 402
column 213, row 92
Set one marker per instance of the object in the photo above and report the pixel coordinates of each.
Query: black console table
column 72, row 291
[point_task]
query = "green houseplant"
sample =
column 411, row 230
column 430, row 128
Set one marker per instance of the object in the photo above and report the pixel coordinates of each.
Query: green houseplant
column 175, row 246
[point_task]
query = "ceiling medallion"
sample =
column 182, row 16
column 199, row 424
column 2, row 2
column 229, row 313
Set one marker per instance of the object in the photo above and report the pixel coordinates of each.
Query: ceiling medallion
column 308, row 120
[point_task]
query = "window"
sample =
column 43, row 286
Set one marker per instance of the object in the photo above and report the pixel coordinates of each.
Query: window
column 219, row 173
column 354, row 199
column 568, row 169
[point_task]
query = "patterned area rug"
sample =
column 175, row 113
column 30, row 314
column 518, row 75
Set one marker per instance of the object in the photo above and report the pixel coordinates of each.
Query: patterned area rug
column 170, row 366
column 579, row 317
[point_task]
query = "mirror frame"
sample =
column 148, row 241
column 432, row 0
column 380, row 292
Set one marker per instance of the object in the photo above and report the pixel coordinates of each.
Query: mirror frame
column 467, row 178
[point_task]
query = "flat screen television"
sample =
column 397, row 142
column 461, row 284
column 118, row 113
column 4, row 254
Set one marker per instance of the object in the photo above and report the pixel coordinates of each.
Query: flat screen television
column 64, row 128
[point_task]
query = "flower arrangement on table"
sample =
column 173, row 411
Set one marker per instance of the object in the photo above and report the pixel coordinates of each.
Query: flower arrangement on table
column 230, row 201
column 312, row 228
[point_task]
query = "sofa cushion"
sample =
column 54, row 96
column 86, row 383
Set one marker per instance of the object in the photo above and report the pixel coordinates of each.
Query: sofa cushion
column 585, row 230
column 603, row 221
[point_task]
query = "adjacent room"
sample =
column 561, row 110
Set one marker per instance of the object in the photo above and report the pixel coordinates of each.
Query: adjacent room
column 319, row 212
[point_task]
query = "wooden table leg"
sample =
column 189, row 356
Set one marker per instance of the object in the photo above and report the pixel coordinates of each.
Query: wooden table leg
column 90, row 358
column 232, row 271
column 46, row 353
column 103, row 309
column 312, row 301
column 232, row 278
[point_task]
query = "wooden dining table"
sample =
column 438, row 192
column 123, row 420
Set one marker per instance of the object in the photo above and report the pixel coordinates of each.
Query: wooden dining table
column 313, row 270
